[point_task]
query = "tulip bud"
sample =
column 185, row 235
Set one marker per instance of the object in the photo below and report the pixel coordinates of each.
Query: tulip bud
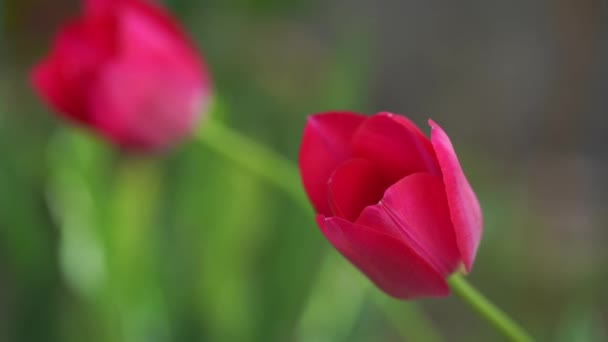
column 393, row 202
column 125, row 70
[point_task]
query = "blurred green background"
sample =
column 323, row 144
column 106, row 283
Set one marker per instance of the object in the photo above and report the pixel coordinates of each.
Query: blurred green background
column 96, row 245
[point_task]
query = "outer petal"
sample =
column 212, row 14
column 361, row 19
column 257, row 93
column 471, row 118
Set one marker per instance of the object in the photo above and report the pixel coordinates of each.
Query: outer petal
column 353, row 186
column 415, row 210
column 125, row 69
column 97, row 6
column 144, row 106
column 390, row 264
column 64, row 77
column 151, row 94
column 145, row 19
column 325, row 145
column 464, row 207
column 395, row 145
column 145, row 24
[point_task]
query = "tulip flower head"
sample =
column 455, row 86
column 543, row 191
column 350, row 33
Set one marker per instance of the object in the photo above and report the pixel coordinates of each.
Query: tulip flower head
column 393, row 202
column 125, row 70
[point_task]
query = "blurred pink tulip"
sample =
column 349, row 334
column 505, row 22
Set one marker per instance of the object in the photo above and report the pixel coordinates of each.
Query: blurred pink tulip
column 127, row 71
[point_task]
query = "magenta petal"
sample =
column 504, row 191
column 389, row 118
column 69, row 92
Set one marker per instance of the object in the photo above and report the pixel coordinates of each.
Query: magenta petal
column 415, row 210
column 325, row 145
column 126, row 70
column 100, row 6
column 464, row 207
column 353, row 186
column 395, row 145
column 64, row 76
column 145, row 106
column 151, row 94
column 50, row 86
column 146, row 30
column 387, row 262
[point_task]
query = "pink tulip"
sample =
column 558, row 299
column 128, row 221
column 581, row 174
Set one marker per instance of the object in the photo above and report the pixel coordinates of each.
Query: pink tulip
column 125, row 70
column 393, row 202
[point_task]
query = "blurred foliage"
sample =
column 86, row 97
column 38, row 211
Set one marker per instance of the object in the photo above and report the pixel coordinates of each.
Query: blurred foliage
column 96, row 245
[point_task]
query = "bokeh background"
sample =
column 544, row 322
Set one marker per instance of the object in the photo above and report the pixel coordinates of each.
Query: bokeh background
column 96, row 245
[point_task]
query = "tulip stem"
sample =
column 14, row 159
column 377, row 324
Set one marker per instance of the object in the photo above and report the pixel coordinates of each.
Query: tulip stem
column 487, row 310
column 284, row 175
column 255, row 158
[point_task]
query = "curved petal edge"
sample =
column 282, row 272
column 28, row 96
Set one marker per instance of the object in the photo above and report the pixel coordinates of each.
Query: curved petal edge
column 415, row 211
column 464, row 207
column 388, row 263
column 325, row 145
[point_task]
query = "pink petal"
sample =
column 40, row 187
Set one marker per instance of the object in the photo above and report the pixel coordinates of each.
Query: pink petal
column 325, row 145
column 97, row 6
column 52, row 87
column 156, row 31
column 127, row 70
column 144, row 26
column 143, row 106
column 395, row 145
column 387, row 262
column 415, row 211
column 153, row 91
column 353, row 186
column 63, row 78
column 464, row 207
column 146, row 34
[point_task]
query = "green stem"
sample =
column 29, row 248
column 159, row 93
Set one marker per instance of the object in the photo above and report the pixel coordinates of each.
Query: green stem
column 284, row 175
column 487, row 310
column 255, row 158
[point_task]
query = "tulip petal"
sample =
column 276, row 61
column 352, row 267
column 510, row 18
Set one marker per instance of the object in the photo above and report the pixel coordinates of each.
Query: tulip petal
column 155, row 32
column 415, row 210
column 391, row 265
column 156, row 109
column 151, row 94
column 464, row 207
column 325, row 145
column 395, row 145
column 100, row 6
column 353, row 186
column 63, row 78
column 143, row 26
column 125, row 69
